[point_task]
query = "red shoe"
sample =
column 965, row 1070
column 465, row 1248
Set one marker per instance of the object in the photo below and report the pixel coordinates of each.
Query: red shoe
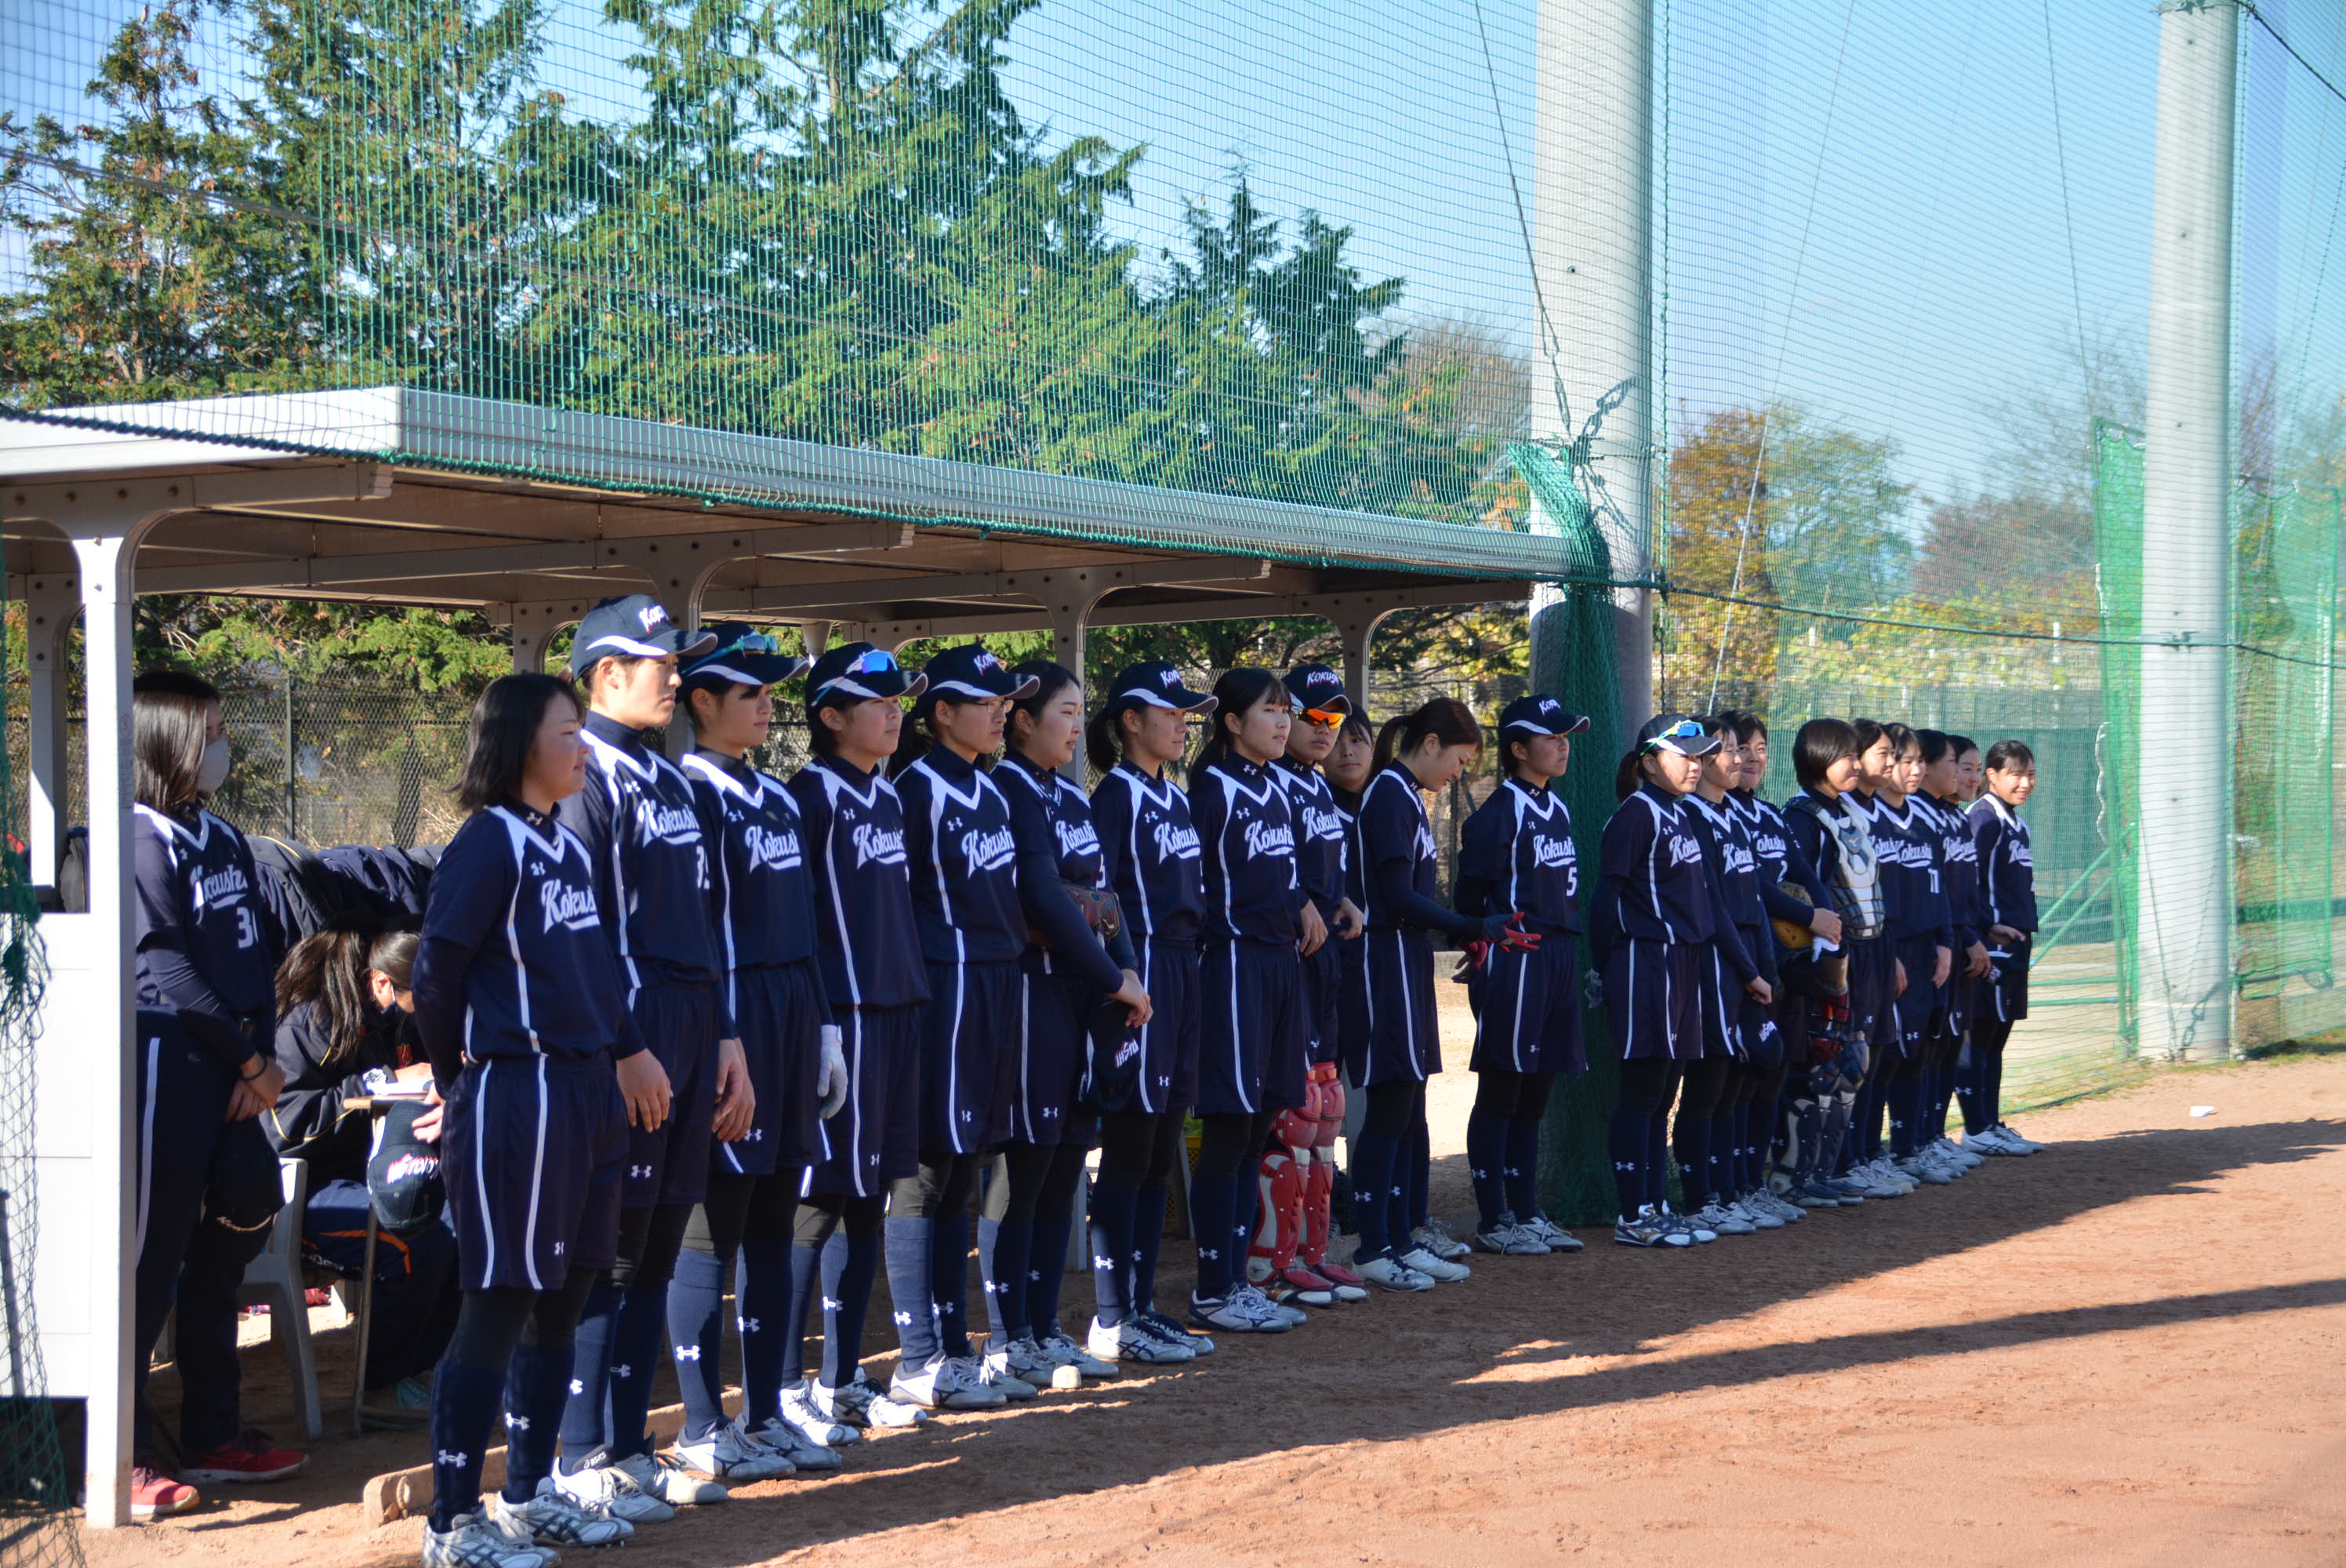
column 317, row 1296
column 154, row 1495
column 245, row 1460
column 1298, row 1283
column 1348, row 1286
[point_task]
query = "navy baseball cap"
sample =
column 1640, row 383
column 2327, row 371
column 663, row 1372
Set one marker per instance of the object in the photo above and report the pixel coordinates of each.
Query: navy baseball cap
column 746, row 655
column 969, row 672
column 1678, row 733
column 1157, row 684
column 1316, row 688
column 1540, row 714
column 637, row 626
column 859, row 672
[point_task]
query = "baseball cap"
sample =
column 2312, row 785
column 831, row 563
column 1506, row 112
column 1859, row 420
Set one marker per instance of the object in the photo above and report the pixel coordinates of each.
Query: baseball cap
column 969, row 672
column 1157, row 684
column 1540, row 714
column 746, row 655
column 1676, row 733
column 1316, row 688
column 859, row 672
column 637, row 626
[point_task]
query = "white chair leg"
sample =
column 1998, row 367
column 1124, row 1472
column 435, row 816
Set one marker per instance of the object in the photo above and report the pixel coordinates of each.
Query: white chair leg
column 291, row 1315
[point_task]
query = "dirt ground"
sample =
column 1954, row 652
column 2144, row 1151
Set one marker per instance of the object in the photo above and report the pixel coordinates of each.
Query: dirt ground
column 2125, row 1351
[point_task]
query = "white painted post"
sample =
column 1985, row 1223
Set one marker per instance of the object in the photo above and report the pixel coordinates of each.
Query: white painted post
column 51, row 604
column 2185, row 928
column 1358, row 634
column 1593, row 241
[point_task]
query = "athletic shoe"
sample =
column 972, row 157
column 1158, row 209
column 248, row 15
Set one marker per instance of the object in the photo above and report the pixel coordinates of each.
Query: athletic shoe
column 1956, row 1154
column 2012, row 1139
column 663, row 1475
column 1024, row 1359
column 1694, row 1230
column 786, row 1440
column 1173, row 1333
column 1989, row 1142
column 1556, row 1238
column 812, row 1425
column 1883, row 1171
column 471, row 1542
column 1259, row 1300
column 1061, row 1350
column 727, row 1455
column 603, row 1489
column 1818, row 1193
column 1434, row 1236
column 1349, row 1287
column 1718, row 1217
column 1298, row 1286
column 550, row 1519
column 1776, row 1203
column 1235, row 1313
column 860, row 1403
column 940, row 1386
column 1647, row 1230
column 1131, row 1341
column 1925, row 1170
column 1862, row 1181
column 154, row 1495
column 245, row 1460
column 993, row 1371
column 1392, row 1274
column 1440, row 1269
column 1509, row 1239
column 1754, row 1215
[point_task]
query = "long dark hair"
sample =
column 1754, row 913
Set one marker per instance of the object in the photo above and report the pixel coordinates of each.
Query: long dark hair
column 1627, row 775
column 328, row 970
column 504, row 726
column 1821, row 743
column 170, row 715
column 1444, row 719
column 1240, row 690
column 1050, row 679
column 1934, row 744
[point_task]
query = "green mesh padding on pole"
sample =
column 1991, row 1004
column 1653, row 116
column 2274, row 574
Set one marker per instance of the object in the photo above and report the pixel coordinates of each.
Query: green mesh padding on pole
column 2117, row 544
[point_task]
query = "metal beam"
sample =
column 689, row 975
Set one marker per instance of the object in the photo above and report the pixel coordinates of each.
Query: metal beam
column 1336, row 608
column 1045, row 584
column 68, row 505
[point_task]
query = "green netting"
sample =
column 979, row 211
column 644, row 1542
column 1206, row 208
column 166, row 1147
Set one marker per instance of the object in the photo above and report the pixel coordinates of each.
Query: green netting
column 2118, row 539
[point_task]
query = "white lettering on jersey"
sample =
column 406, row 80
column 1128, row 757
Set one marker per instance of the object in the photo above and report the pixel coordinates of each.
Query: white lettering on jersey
column 1269, row 839
column 1076, row 840
column 565, row 906
column 875, row 844
column 1175, row 843
column 1321, row 823
column 671, row 824
column 226, row 886
column 1683, row 851
column 771, row 851
column 988, row 851
column 1548, row 852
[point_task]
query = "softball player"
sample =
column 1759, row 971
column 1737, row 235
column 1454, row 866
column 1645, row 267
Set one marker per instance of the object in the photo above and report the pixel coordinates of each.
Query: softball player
column 209, row 1185
column 1253, row 1044
column 1517, row 853
column 641, row 827
column 1390, row 1040
column 1923, row 934
column 868, row 949
column 1878, row 978
column 1151, row 858
column 1960, row 857
column 546, row 1078
column 1656, row 911
column 2007, row 873
column 765, row 913
column 1068, row 973
column 1739, row 1035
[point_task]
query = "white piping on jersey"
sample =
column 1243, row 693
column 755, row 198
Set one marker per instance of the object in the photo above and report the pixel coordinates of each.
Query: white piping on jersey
column 952, row 1053
column 723, row 779
column 1238, row 1036
column 147, row 1133
column 1137, row 787
column 1523, row 984
column 616, row 918
column 537, row 1185
column 481, row 1178
column 833, row 787
column 1408, row 1011
column 1025, row 1107
column 1425, row 824
column 517, row 829
column 167, row 825
column 1653, row 875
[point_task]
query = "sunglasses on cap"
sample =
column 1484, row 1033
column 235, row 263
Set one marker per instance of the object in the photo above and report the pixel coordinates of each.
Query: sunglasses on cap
column 1685, row 729
column 750, row 643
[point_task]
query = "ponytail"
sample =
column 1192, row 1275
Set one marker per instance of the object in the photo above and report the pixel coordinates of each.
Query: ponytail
column 1626, row 778
column 1445, row 718
column 1104, row 739
column 1239, row 693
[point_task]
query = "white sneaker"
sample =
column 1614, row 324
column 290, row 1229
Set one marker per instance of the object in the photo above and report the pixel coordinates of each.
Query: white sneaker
column 471, row 1542
column 812, row 1425
column 1689, row 1225
column 860, row 1403
column 1239, row 1313
column 1061, row 1351
column 782, row 1437
column 939, row 1386
column 1131, row 1341
column 1024, row 1359
column 550, row 1519
column 1722, row 1219
column 1989, row 1142
column 1784, row 1208
column 1889, row 1170
column 607, row 1489
column 1392, row 1274
column 1558, row 1238
column 993, row 1370
column 1509, row 1239
column 1172, row 1333
column 727, row 1455
column 1259, row 1300
column 1749, row 1211
column 664, row 1476
column 2013, row 1140
column 1440, row 1269
column 1434, row 1236
column 1956, row 1154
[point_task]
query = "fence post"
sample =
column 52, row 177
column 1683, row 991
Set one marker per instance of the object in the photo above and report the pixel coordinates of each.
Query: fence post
column 292, row 829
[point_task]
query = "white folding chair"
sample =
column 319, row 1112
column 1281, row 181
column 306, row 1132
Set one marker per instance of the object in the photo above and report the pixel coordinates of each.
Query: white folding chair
column 275, row 1279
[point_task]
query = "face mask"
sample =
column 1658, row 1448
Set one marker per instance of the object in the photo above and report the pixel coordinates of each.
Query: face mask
column 213, row 773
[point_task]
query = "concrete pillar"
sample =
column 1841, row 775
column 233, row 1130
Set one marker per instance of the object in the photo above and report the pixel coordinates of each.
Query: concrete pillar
column 1358, row 632
column 2184, row 927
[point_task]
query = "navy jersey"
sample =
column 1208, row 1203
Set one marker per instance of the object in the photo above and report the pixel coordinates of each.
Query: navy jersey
column 1651, row 862
column 1734, row 881
column 1910, row 851
column 1253, row 893
column 854, row 826
column 1959, row 863
column 1515, row 854
column 1322, row 832
column 1782, row 860
column 764, row 897
column 1058, row 844
column 1151, row 853
column 964, row 863
column 641, row 827
column 201, row 931
column 2007, row 867
column 1356, row 871
column 515, row 960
